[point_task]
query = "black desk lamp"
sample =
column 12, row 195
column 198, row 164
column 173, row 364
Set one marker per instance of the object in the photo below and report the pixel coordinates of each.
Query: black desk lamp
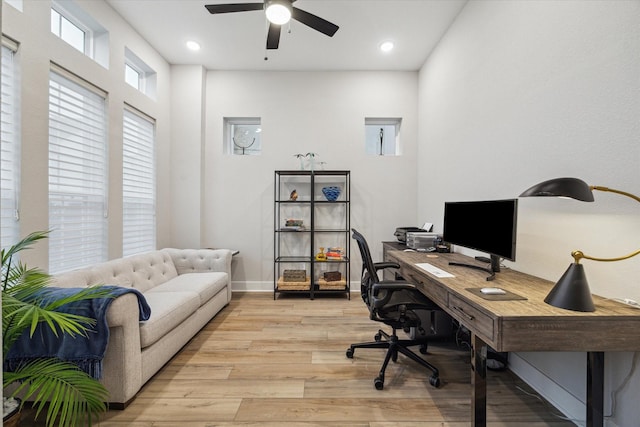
column 572, row 290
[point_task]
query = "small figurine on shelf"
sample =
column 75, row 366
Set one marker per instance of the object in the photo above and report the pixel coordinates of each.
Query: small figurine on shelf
column 294, row 195
column 320, row 256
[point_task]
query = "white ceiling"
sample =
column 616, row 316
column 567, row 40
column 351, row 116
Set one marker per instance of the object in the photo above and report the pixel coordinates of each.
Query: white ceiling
column 236, row 41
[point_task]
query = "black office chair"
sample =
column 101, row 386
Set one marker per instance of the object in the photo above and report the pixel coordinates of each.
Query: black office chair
column 396, row 304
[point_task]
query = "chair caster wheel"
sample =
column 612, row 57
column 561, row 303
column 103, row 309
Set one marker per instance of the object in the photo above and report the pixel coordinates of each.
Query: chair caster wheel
column 434, row 381
column 379, row 383
column 350, row 353
column 378, row 337
column 423, row 349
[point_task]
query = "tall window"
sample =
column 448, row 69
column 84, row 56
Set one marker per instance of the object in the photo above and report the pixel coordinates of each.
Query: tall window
column 77, row 173
column 9, row 174
column 138, row 184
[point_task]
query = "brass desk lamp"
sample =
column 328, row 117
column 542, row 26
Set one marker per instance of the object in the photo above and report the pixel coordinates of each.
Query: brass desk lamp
column 572, row 290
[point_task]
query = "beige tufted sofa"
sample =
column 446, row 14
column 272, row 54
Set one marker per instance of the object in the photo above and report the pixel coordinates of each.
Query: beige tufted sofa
column 185, row 288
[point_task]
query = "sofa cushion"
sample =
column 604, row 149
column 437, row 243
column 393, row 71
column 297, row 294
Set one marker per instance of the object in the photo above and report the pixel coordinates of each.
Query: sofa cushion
column 151, row 269
column 205, row 284
column 168, row 310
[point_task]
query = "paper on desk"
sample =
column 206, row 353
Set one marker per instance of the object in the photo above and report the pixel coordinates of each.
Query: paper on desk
column 434, row 270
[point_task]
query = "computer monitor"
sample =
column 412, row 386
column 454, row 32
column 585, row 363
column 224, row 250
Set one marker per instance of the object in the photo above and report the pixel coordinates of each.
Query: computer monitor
column 489, row 226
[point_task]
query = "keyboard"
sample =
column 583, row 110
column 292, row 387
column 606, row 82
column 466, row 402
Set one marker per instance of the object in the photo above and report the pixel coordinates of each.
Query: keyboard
column 432, row 269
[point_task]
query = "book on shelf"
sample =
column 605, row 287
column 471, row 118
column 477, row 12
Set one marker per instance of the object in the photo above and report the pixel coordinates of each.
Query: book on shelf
column 335, row 254
column 293, row 228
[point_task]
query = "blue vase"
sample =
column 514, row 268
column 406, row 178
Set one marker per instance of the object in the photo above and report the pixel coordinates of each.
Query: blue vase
column 331, row 193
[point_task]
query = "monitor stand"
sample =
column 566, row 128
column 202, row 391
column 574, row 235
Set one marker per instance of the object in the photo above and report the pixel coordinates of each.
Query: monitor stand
column 495, row 267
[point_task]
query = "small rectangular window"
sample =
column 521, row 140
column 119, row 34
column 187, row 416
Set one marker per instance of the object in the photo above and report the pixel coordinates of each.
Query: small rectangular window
column 15, row 3
column 382, row 136
column 71, row 33
column 77, row 28
column 138, row 74
column 132, row 76
column 242, row 136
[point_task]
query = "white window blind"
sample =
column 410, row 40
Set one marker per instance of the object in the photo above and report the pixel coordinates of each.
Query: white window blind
column 10, row 161
column 139, row 184
column 77, row 174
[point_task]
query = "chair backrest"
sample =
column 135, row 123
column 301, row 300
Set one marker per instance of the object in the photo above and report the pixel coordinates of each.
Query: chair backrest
column 367, row 262
column 369, row 275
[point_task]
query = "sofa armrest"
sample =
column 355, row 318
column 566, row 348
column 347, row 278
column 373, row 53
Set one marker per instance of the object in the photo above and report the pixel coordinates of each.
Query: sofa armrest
column 122, row 364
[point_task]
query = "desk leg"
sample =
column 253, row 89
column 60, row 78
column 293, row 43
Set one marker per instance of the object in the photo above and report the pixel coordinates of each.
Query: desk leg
column 478, row 382
column 595, row 389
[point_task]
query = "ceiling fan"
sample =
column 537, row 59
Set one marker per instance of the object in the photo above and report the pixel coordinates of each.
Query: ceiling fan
column 278, row 13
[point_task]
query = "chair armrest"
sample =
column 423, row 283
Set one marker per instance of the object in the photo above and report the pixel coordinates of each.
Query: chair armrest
column 386, row 264
column 390, row 287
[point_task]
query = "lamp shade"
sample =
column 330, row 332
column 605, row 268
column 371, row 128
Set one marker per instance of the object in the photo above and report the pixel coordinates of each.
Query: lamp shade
column 561, row 187
column 572, row 291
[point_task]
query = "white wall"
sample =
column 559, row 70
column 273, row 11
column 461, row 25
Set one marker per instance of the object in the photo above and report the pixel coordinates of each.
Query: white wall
column 38, row 47
column 517, row 92
column 321, row 112
column 523, row 91
column 188, row 97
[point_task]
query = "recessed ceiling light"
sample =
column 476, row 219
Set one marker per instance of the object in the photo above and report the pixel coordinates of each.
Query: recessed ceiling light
column 386, row 46
column 193, row 45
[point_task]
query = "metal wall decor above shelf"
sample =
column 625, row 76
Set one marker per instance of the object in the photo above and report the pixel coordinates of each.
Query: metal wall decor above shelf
column 311, row 232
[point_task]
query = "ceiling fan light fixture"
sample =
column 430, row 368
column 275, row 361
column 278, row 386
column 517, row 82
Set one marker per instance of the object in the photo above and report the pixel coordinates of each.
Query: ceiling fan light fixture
column 278, row 11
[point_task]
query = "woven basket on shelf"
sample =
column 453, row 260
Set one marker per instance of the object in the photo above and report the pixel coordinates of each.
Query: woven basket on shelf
column 294, row 286
column 335, row 285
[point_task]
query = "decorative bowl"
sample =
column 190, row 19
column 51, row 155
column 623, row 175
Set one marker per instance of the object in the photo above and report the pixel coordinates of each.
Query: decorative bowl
column 331, row 193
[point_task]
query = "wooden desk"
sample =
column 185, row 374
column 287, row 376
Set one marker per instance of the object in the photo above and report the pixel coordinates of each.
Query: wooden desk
column 522, row 325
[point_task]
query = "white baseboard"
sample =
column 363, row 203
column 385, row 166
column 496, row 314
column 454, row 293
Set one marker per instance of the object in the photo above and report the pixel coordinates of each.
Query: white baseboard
column 259, row 286
column 252, row 286
column 571, row 407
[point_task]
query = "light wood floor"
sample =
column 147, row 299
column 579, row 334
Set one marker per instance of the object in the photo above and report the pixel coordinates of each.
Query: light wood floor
column 271, row 363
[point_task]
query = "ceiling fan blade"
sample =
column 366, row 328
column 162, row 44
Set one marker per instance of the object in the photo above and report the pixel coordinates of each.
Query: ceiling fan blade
column 233, row 7
column 314, row 22
column 273, row 36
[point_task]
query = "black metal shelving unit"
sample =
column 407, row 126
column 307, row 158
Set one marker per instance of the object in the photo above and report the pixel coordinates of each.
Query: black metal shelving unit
column 325, row 224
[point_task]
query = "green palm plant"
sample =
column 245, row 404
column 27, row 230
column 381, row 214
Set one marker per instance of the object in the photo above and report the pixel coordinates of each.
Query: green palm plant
column 70, row 396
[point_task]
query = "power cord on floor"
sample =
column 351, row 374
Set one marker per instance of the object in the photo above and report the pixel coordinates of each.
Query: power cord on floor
column 614, row 394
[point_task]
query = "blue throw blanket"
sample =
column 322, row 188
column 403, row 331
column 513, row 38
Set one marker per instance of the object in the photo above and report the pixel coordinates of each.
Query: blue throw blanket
column 86, row 352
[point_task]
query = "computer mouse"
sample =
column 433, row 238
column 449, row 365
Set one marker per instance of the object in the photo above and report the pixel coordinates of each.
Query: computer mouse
column 493, row 291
